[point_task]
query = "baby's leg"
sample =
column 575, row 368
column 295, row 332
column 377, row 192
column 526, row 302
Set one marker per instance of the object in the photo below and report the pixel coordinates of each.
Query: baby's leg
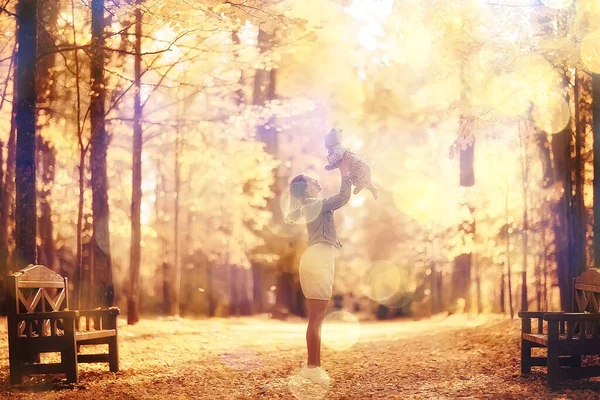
column 374, row 189
column 358, row 189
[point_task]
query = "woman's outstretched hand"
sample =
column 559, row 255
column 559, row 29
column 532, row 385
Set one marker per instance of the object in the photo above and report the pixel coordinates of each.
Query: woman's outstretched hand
column 344, row 165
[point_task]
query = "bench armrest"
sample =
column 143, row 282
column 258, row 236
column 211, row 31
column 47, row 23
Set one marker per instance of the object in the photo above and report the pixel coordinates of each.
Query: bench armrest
column 47, row 315
column 531, row 314
column 564, row 316
column 526, row 317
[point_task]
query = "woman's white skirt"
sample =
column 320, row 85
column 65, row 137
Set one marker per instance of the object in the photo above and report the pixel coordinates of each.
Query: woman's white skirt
column 317, row 270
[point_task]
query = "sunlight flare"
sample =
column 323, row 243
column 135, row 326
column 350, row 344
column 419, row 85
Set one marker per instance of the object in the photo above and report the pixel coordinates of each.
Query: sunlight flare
column 340, row 331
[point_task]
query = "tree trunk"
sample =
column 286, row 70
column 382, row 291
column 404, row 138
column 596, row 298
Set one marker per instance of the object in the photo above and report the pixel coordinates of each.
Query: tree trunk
column 561, row 213
column 177, row 273
column 508, row 266
column 461, row 272
column 461, row 278
column 538, row 282
column 265, row 90
column 258, row 100
column 524, row 185
column 45, row 82
column 87, row 262
column 239, row 94
column 578, row 220
column 234, row 305
column 102, row 264
column 566, row 227
column 136, row 191
column 596, row 129
column 544, row 146
column 210, row 289
column 83, row 270
column 502, row 293
column 246, row 293
column 47, row 154
column 478, row 288
column 46, row 93
column 436, row 293
column 79, row 251
column 6, row 202
column 3, row 271
column 167, row 288
column 544, row 265
column 25, row 213
column 257, row 292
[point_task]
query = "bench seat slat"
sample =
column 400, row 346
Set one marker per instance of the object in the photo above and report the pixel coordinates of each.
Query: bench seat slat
column 538, row 338
column 543, row 338
column 84, row 336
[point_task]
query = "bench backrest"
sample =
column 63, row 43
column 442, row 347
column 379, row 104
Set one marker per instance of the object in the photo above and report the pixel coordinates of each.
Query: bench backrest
column 587, row 291
column 36, row 289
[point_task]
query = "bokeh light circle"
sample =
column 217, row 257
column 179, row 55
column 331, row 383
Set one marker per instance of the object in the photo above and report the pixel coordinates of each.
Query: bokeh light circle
column 508, row 95
column 590, row 52
column 241, row 360
column 303, row 389
column 340, row 331
column 383, row 280
column 490, row 59
column 538, row 76
column 425, row 200
column 557, row 4
column 590, row 6
column 553, row 115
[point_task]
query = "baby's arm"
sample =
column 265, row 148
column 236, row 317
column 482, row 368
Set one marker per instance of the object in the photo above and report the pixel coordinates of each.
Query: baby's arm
column 335, row 155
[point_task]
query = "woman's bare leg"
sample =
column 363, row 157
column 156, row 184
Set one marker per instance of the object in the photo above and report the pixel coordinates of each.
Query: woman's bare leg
column 316, row 314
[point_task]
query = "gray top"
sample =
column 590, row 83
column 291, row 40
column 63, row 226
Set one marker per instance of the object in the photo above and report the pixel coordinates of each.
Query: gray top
column 319, row 215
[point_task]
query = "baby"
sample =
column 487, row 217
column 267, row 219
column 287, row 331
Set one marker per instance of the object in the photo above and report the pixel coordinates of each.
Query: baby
column 360, row 171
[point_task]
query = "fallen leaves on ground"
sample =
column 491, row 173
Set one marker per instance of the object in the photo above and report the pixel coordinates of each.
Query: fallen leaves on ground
column 453, row 357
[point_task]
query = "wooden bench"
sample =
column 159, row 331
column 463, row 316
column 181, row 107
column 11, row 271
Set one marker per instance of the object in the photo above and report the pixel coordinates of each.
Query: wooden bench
column 39, row 321
column 567, row 336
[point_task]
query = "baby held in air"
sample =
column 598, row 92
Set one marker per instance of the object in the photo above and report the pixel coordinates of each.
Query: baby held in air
column 360, row 171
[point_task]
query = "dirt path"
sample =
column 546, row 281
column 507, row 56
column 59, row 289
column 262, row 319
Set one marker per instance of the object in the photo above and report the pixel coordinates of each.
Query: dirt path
column 254, row 358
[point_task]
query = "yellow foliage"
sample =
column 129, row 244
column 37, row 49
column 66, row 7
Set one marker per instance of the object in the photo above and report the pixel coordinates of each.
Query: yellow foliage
column 590, row 51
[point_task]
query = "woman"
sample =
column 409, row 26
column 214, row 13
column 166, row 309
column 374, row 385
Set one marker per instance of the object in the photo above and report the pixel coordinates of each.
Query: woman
column 317, row 262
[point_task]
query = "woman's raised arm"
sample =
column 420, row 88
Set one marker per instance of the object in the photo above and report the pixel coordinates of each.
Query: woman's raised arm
column 336, row 201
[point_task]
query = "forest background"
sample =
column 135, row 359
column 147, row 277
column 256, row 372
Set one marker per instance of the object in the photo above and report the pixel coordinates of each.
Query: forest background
column 147, row 146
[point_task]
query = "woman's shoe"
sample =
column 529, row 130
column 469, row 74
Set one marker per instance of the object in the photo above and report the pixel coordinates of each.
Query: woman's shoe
column 316, row 374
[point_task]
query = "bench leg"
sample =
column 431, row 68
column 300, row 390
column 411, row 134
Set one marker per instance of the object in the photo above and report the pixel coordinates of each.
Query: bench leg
column 69, row 361
column 113, row 355
column 553, row 367
column 525, row 356
column 16, row 374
